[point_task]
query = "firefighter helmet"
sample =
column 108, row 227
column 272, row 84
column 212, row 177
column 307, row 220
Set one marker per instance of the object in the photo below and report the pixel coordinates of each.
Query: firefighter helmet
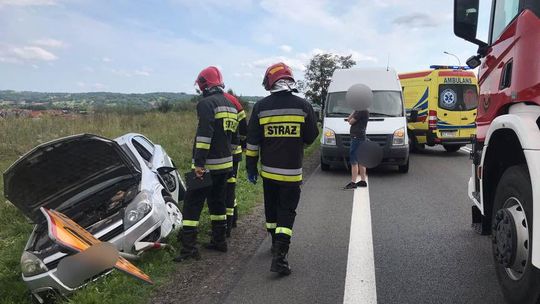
column 276, row 72
column 209, row 78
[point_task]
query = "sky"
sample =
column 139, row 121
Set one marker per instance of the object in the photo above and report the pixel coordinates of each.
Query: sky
column 161, row 45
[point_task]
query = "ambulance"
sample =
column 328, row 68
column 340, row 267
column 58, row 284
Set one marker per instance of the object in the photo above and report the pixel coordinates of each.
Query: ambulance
column 441, row 105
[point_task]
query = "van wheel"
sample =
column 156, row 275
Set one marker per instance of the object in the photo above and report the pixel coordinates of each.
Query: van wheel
column 324, row 167
column 404, row 168
column 452, row 148
column 512, row 237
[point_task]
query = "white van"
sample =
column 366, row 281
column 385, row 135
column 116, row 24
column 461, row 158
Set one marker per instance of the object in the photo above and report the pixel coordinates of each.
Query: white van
column 387, row 124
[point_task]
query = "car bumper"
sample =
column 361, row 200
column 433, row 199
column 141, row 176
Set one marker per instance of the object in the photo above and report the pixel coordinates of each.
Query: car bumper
column 49, row 282
column 339, row 156
column 433, row 139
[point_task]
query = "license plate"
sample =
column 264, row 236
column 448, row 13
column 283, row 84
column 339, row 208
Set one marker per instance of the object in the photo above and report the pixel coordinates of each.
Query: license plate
column 448, row 133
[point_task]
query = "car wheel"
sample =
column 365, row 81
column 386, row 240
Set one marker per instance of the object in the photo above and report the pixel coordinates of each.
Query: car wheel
column 324, row 167
column 404, row 168
column 512, row 237
column 452, row 148
column 173, row 211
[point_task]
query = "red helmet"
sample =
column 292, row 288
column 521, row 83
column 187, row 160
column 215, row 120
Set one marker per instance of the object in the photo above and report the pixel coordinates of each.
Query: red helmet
column 209, row 78
column 276, row 72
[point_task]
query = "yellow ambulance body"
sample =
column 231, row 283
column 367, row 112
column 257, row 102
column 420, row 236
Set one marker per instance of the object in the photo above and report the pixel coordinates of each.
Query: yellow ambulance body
column 442, row 106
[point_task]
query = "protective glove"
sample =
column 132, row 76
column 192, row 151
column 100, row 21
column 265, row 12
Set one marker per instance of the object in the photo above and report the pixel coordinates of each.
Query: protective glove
column 252, row 178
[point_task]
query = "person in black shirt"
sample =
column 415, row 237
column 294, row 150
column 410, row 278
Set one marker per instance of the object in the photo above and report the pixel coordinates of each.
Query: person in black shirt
column 358, row 121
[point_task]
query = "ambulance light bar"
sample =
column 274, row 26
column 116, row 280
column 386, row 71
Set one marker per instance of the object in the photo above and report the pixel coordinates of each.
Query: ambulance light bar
column 449, row 67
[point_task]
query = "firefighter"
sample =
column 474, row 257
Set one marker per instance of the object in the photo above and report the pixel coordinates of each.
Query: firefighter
column 279, row 128
column 232, row 207
column 216, row 132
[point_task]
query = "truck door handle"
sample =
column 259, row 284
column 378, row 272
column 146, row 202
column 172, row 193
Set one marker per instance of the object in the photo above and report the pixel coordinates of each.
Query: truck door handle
column 464, row 118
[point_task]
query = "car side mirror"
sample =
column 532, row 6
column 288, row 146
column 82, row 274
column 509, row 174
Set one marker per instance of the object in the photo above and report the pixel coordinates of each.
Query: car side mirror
column 413, row 116
column 165, row 170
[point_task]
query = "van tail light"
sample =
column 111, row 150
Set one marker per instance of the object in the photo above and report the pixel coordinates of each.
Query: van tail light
column 432, row 120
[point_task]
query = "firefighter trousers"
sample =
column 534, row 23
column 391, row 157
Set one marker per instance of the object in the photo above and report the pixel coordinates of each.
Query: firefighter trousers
column 280, row 203
column 230, row 200
column 215, row 196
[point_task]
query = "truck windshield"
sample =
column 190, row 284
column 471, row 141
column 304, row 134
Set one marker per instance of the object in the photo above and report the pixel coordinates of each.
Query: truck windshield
column 385, row 104
column 457, row 97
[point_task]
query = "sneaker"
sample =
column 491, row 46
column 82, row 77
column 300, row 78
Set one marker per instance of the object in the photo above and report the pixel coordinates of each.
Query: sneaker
column 361, row 184
column 350, row 186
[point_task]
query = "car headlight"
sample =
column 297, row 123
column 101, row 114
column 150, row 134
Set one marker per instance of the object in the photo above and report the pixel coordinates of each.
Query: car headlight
column 32, row 265
column 399, row 137
column 329, row 137
column 137, row 211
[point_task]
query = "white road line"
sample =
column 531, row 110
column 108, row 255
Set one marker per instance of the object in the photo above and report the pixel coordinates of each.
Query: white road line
column 465, row 149
column 360, row 284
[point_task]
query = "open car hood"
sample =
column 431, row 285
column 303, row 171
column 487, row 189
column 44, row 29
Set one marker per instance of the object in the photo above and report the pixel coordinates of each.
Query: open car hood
column 55, row 172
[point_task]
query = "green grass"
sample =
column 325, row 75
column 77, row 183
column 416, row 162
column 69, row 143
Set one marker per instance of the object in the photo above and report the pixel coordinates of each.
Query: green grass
column 174, row 131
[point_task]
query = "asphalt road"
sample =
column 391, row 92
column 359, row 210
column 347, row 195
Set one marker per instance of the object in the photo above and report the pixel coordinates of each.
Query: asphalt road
column 424, row 250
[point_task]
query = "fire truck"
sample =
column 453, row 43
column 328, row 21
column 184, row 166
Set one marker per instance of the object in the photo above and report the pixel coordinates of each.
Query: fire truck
column 505, row 182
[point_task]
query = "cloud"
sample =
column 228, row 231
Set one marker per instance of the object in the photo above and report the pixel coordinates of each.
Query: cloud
column 356, row 56
column 106, row 59
column 417, row 20
column 20, row 54
column 210, row 5
column 27, row 2
column 264, row 63
column 286, row 48
column 51, row 43
column 141, row 73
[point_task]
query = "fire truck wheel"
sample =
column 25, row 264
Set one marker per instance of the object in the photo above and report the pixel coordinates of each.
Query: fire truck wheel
column 512, row 237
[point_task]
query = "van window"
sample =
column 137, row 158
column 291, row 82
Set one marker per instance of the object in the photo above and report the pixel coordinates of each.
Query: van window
column 457, row 97
column 385, row 104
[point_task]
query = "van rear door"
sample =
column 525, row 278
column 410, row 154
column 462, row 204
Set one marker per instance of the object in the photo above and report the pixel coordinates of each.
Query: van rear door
column 468, row 116
column 449, row 111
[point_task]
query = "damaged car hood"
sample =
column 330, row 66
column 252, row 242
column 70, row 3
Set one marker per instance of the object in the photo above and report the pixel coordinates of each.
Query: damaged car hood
column 57, row 171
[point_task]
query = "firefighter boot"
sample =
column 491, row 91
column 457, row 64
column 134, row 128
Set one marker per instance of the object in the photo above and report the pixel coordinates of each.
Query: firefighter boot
column 279, row 259
column 188, row 238
column 218, row 241
column 235, row 217
column 273, row 249
column 229, row 225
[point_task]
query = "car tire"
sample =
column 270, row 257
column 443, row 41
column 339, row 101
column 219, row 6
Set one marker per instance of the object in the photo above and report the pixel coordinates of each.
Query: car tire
column 452, row 148
column 324, row 167
column 521, row 285
column 404, row 169
column 173, row 211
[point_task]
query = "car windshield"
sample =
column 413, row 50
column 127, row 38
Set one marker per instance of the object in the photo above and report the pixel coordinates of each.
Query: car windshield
column 385, row 104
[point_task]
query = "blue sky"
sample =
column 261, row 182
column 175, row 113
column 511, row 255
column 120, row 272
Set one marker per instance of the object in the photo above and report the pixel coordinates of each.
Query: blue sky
column 147, row 46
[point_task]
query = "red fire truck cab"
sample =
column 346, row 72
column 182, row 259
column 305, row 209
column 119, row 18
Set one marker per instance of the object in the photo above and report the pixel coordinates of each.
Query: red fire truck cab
column 505, row 181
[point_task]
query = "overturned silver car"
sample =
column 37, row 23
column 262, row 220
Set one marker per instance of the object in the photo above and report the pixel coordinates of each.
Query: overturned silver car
column 123, row 191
